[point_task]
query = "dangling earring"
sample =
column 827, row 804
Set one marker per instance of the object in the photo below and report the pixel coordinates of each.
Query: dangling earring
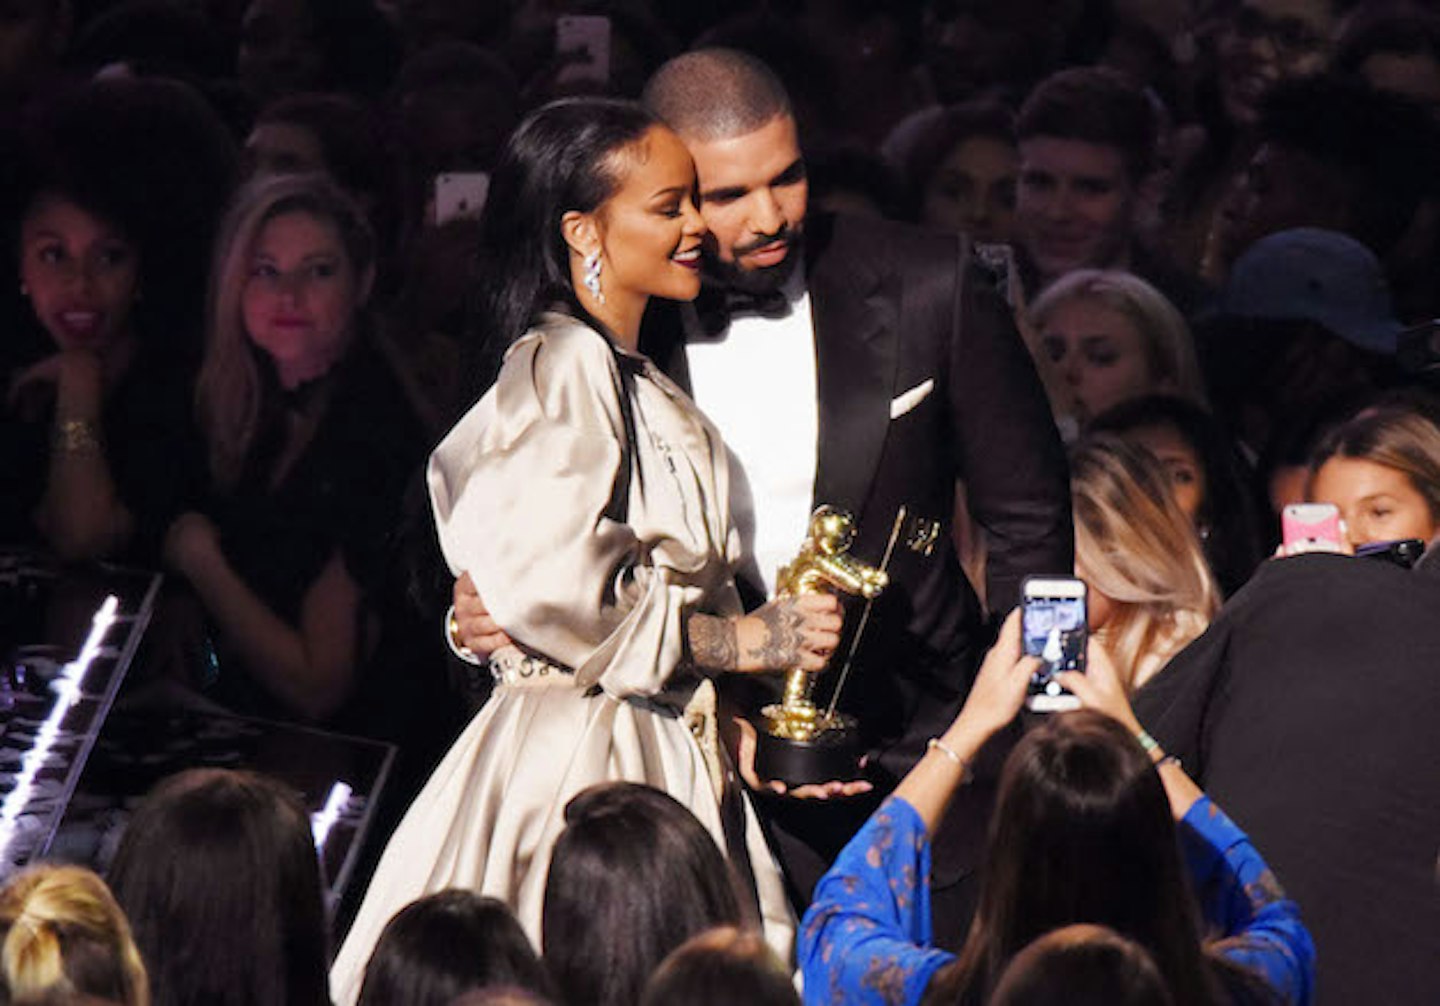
column 592, row 276
column 24, row 290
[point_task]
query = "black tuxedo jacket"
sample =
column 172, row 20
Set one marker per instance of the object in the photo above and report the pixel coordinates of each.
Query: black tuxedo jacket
column 898, row 311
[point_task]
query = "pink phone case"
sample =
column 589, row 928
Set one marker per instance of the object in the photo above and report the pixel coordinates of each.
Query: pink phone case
column 1306, row 523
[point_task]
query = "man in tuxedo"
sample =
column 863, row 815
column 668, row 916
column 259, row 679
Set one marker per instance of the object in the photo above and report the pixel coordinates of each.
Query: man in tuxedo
column 865, row 365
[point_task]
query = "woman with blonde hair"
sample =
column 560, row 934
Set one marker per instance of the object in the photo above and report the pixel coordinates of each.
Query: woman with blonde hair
column 65, row 939
column 1151, row 590
column 1104, row 336
column 310, row 444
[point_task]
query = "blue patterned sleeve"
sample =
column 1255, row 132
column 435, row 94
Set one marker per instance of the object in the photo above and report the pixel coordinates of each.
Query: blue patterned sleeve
column 1243, row 905
column 866, row 938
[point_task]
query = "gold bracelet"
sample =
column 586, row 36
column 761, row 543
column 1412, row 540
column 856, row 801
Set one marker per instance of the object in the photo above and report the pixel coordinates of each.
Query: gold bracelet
column 936, row 744
column 75, row 436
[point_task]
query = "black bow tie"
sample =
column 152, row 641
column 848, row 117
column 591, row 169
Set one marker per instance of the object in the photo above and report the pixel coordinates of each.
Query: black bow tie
column 716, row 307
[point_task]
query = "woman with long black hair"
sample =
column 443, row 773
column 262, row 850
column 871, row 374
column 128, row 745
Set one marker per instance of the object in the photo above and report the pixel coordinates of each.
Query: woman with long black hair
column 588, row 499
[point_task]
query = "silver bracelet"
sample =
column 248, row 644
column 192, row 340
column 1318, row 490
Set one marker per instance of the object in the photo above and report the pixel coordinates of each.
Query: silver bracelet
column 936, row 744
column 456, row 644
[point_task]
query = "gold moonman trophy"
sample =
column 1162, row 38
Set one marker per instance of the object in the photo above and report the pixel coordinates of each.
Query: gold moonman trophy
column 799, row 742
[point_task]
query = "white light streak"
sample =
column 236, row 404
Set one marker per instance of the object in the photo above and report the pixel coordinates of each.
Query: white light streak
column 324, row 819
column 68, row 686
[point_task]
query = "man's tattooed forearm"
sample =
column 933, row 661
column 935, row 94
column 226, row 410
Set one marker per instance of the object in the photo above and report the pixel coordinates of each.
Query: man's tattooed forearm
column 713, row 643
column 779, row 647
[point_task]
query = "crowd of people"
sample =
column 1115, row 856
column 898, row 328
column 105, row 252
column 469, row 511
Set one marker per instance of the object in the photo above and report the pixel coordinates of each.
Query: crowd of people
column 566, row 316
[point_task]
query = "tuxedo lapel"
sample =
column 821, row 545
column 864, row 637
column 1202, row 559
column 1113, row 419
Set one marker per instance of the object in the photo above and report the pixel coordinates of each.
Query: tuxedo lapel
column 856, row 315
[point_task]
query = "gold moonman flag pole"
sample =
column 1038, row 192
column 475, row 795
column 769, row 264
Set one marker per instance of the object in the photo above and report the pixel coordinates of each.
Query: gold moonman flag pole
column 884, row 567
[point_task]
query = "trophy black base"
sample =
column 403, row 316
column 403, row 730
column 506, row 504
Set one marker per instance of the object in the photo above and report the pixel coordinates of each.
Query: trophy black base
column 831, row 755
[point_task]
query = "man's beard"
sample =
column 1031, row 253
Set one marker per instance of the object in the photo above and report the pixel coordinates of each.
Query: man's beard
column 729, row 276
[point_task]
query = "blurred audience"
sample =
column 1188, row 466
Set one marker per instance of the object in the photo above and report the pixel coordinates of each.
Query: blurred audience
column 1089, row 142
column 1213, row 485
column 961, row 171
column 98, row 450
column 1107, row 337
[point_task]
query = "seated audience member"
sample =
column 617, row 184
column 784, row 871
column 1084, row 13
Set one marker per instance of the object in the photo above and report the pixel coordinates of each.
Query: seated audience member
column 961, row 171
column 1092, row 824
column 1212, row 485
column 1108, row 336
column 63, row 939
column 1331, row 154
column 218, row 874
column 503, row 995
column 445, row 944
column 1151, row 590
column 634, row 875
column 1304, row 318
column 720, row 967
column 331, row 133
column 33, row 38
column 1381, row 468
column 287, row 46
column 1082, row 965
column 97, row 453
column 1309, row 710
column 310, row 446
column 1088, row 145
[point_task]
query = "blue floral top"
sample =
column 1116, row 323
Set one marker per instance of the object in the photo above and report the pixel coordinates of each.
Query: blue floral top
column 866, row 939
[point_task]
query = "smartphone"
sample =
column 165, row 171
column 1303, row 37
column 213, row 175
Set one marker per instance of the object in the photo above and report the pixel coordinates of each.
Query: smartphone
column 586, row 40
column 460, row 194
column 1405, row 552
column 1054, row 626
column 1310, row 527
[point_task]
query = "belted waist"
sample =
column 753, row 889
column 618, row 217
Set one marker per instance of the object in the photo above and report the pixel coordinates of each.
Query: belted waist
column 514, row 668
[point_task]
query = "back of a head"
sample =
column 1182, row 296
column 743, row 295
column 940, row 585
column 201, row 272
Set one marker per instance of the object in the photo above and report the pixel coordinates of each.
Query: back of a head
column 63, row 938
column 218, row 874
column 1094, row 104
column 445, row 944
column 1082, row 832
column 633, row 876
column 720, row 967
column 714, row 94
column 1082, row 965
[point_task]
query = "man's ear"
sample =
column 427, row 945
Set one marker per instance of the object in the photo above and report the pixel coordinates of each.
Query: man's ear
column 580, row 232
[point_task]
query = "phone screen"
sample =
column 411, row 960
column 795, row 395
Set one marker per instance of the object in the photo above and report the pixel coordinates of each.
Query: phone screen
column 1055, row 630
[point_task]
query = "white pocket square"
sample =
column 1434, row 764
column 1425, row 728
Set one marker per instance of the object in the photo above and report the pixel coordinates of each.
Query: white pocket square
column 902, row 404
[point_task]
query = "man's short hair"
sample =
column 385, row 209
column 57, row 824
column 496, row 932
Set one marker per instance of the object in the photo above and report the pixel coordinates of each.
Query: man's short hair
column 1094, row 104
column 713, row 94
